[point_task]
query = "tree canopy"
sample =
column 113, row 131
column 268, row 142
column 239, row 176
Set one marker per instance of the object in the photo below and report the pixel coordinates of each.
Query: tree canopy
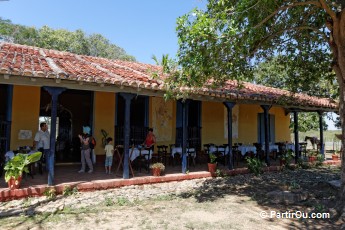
column 231, row 39
column 75, row 42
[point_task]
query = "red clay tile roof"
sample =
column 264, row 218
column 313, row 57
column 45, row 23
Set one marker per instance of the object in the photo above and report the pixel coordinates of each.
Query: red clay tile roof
column 21, row 60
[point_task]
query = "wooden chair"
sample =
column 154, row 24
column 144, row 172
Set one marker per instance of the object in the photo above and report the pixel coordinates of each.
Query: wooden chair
column 163, row 155
column 236, row 154
column 144, row 159
column 260, row 153
column 191, row 155
column 119, row 151
column 177, row 156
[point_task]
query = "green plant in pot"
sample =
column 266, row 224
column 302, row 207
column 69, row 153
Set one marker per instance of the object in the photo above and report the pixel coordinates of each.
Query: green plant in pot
column 15, row 167
column 286, row 157
column 212, row 166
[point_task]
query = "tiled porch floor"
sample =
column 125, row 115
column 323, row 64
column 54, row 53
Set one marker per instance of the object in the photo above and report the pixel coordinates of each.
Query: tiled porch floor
column 68, row 173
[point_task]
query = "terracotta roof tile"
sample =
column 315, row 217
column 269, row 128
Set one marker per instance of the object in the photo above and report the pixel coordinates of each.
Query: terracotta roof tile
column 30, row 61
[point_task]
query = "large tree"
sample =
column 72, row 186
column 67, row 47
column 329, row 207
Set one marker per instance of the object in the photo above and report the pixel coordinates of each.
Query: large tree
column 72, row 41
column 229, row 39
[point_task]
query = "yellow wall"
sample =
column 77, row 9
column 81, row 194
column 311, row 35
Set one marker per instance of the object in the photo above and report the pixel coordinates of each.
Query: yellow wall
column 281, row 125
column 25, row 113
column 104, row 118
column 248, row 123
column 163, row 120
column 213, row 122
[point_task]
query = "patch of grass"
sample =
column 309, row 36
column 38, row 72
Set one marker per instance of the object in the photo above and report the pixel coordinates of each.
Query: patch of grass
column 189, row 226
column 163, row 197
column 68, row 190
column 50, row 193
column 294, row 185
column 108, row 202
column 27, row 202
column 122, row 201
column 319, row 208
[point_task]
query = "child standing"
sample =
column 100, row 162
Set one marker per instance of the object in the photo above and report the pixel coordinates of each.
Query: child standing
column 109, row 152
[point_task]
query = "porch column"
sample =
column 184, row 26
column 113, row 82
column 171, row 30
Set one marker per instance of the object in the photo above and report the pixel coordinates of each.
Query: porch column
column 229, row 106
column 185, row 108
column 266, row 108
column 295, row 130
column 54, row 92
column 322, row 150
column 126, row 132
column 9, row 116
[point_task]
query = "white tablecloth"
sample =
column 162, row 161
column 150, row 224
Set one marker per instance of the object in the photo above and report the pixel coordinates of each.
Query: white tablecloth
column 251, row 148
column 136, row 153
column 246, row 148
column 272, row 148
column 291, row 146
column 175, row 150
column 214, row 149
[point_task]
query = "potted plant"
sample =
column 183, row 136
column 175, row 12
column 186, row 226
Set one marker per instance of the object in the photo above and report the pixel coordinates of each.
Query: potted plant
column 335, row 156
column 312, row 156
column 286, row 157
column 212, row 166
column 157, row 168
column 15, row 167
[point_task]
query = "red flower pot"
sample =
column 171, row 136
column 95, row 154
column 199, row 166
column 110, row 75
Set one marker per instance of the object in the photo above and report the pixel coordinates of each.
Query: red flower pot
column 212, row 169
column 335, row 157
column 312, row 158
column 156, row 171
column 14, row 183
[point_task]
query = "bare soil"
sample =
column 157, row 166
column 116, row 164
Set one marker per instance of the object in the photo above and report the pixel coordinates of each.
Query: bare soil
column 220, row 203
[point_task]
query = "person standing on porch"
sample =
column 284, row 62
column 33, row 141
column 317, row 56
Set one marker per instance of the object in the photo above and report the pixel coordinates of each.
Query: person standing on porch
column 42, row 143
column 109, row 152
column 85, row 150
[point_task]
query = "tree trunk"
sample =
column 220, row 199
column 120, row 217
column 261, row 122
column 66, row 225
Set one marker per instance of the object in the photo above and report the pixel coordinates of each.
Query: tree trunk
column 337, row 44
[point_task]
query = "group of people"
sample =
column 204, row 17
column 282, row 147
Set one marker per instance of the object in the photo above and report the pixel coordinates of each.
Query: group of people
column 109, row 149
column 42, row 143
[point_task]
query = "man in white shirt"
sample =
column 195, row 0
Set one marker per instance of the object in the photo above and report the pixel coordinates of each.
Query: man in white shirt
column 42, row 143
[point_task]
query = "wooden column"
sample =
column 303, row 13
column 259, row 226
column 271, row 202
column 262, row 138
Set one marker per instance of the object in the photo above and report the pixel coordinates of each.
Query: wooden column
column 185, row 108
column 126, row 133
column 322, row 150
column 266, row 108
column 295, row 129
column 54, row 92
column 229, row 106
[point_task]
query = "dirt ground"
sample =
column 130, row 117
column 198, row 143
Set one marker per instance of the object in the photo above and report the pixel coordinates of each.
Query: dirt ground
column 220, row 203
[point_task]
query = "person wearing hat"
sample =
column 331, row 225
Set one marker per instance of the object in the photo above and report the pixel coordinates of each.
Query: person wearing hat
column 85, row 150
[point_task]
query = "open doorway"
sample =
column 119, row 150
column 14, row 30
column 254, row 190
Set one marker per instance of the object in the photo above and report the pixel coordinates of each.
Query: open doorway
column 74, row 110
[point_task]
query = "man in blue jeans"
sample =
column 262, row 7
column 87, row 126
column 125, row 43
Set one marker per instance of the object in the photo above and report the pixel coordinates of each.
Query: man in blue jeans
column 42, row 141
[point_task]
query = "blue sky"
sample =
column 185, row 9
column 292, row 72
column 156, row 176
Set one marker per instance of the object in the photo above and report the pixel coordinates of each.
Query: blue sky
column 141, row 27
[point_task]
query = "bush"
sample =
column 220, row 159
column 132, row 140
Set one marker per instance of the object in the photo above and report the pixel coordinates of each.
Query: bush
column 255, row 165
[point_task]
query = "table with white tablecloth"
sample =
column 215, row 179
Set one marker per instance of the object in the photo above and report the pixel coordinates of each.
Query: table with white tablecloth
column 251, row 148
column 246, row 148
column 136, row 152
column 175, row 150
column 221, row 149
